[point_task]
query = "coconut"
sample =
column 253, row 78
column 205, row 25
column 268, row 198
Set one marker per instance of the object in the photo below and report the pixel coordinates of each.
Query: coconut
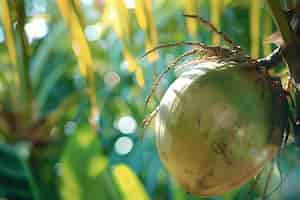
column 218, row 124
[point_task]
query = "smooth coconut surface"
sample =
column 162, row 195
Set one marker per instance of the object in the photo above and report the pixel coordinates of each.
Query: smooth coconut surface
column 214, row 127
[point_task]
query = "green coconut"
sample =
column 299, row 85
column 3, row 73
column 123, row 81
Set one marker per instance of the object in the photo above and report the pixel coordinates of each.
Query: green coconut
column 218, row 125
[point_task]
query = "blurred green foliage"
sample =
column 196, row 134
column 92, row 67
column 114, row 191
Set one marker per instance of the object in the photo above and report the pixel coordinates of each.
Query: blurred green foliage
column 72, row 92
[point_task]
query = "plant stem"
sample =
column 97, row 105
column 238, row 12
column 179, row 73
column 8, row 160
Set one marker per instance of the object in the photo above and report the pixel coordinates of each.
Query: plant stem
column 14, row 85
column 291, row 46
column 22, row 45
column 281, row 21
column 290, row 50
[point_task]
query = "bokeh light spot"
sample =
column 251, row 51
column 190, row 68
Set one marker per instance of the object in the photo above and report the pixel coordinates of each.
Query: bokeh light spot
column 123, row 145
column 70, row 127
column 124, row 66
column 93, row 32
column 111, row 79
column 87, row 2
column 127, row 124
column 130, row 4
column 1, row 35
column 37, row 28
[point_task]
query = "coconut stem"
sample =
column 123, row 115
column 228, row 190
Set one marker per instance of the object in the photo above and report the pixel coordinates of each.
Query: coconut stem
column 281, row 21
column 291, row 48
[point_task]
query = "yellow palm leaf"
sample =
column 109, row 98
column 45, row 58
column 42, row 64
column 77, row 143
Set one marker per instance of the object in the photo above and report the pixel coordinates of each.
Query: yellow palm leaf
column 145, row 19
column 267, row 32
column 77, row 9
column 120, row 19
column 140, row 77
column 9, row 38
column 133, row 66
column 216, row 11
column 80, row 47
column 255, row 11
column 141, row 14
column 151, row 40
column 117, row 15
column 79, row 43
column 191, row 7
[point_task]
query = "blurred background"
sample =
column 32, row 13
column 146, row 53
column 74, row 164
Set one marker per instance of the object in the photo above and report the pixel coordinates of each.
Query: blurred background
column 73, row 87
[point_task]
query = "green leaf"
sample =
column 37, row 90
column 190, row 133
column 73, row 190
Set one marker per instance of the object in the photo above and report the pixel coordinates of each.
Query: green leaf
column 23, row 57
column 179, row 194
column 48, row 84
column 41, row 56
column 68, row 103
column 16, row 181
column 84, row 170
column 269, row 181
